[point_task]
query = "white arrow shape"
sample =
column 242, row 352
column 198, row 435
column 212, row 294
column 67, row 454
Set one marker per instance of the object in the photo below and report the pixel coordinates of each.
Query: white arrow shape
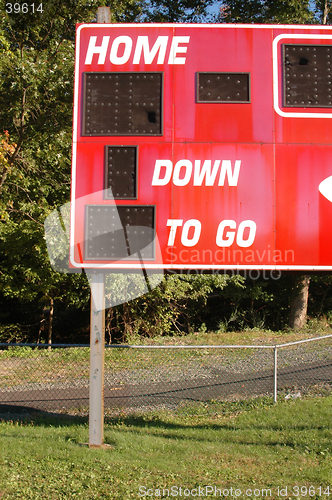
column 325, row 188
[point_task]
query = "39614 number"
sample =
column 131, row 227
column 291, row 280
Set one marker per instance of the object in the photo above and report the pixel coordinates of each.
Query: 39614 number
column 311, row 491
column 24, row 8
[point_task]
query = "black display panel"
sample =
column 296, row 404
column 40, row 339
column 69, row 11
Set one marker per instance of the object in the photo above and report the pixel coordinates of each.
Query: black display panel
column 307, row 79
column 121, row 172
column 118, row 232
column 122, row 104
column 223, row 87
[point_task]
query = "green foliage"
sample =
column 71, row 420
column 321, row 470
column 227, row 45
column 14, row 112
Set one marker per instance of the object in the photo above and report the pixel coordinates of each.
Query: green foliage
column 28, row 282
column 267, row 11
column 36, row 96
column 174, row 11
column 174, row 306
column 320, row 298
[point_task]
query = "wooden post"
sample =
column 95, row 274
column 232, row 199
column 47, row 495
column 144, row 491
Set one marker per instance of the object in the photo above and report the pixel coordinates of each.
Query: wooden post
column 50, row 324
column 97, row 334
column 104, row 15
column 97, row 348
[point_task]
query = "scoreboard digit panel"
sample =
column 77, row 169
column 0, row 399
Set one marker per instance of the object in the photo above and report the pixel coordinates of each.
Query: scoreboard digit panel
column 202, row 147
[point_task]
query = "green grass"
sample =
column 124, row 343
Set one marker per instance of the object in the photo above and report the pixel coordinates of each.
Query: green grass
column 215, row 444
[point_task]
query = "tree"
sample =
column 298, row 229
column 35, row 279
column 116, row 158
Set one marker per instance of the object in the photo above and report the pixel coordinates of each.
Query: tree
column 298, row 311
column 323, row 11
column 174, row 307
column 171, row 11
column 267, row 11
column 36, row 95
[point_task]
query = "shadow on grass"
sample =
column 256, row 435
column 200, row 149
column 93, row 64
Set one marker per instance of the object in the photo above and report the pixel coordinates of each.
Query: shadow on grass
column 214, row 415
column 27, row 414
column 179, row 417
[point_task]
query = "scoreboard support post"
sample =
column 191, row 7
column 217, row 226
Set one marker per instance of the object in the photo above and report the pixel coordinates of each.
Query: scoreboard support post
column 97, row 349
column 97, row 334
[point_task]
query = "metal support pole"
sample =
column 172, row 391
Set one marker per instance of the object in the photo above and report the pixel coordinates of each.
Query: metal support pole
column 97, row 348
column 275, row 374
column 97, row 334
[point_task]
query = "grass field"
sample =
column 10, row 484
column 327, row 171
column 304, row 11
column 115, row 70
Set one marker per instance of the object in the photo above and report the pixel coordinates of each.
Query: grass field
column 248, row 449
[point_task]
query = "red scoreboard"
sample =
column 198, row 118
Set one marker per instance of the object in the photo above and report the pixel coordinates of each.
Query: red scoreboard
column 202, row 147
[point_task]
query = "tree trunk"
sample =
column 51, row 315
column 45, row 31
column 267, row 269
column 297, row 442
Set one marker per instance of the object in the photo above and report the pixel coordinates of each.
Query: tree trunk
column 41, row 328
column 50, row 324
column 298, row 312
column 325, row 12
column 108, row 324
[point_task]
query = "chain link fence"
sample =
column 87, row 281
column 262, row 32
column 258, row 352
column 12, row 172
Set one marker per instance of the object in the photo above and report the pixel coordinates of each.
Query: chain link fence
column 137, row 378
